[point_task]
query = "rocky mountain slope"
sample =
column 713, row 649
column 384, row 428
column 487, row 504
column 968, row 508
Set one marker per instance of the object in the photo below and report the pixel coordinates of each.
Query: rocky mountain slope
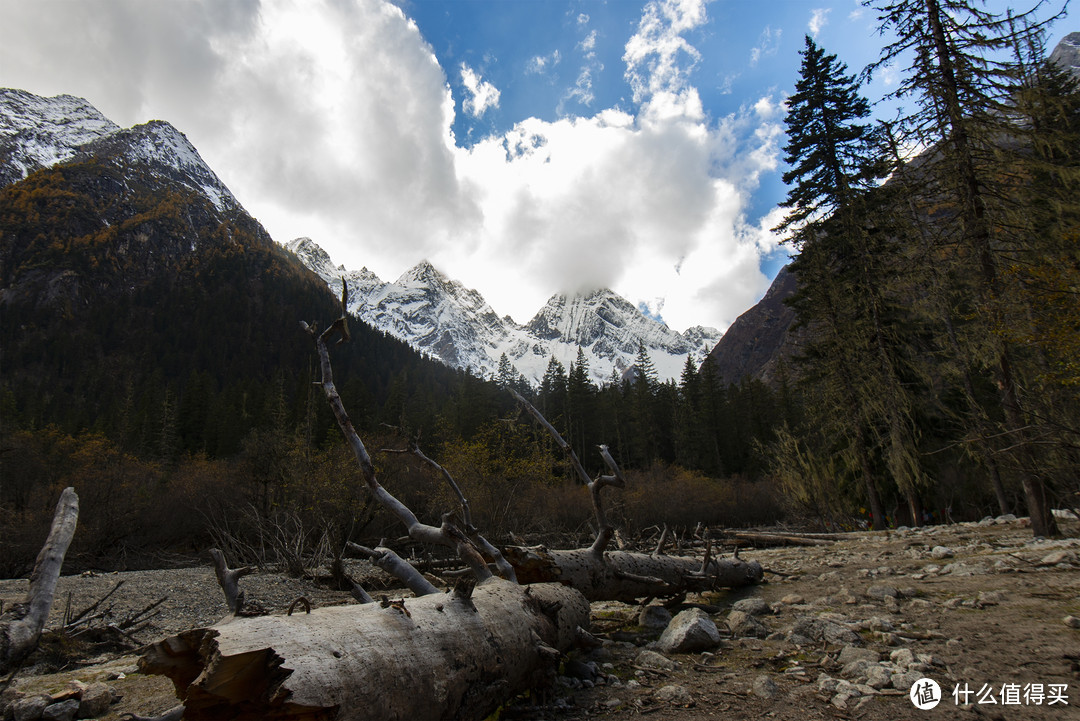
column 138, row 297
column 441, row 317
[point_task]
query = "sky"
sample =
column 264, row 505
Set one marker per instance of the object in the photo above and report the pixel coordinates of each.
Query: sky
column 524, row 147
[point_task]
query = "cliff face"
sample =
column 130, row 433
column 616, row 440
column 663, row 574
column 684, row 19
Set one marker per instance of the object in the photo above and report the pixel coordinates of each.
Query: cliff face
column 759, row 338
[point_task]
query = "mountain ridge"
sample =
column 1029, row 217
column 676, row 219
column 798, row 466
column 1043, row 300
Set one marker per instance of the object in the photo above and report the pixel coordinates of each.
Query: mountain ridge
column 442, row 317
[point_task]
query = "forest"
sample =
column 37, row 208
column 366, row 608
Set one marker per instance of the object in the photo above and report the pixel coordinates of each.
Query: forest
column 936, row 376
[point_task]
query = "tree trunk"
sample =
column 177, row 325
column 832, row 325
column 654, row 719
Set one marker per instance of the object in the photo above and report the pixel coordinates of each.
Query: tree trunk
column 19, row 635
column 623, row 576
column 441, row 656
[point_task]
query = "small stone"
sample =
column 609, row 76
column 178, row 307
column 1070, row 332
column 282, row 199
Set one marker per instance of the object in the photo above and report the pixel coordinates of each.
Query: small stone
column 854, row 653
column 29, row 708
column 904, row 681
column 63, row 711
column 675, row 695
column 840, row 701
column 96, row 699
column 902, row 658
column 613, row 703
column 855, row 669
column 1007, row 518
column 753, row 606
column 820, row 629
column 691, row 630
column 656, row 617
column 792, row 599
column 940, row 552
column 654, row 660
column 1072, row 621
column 954, row 645
column 880, row 591
column 743, row 625
column 1055, row 557
column 878, row 677
column 764, row 687
column 826, row 684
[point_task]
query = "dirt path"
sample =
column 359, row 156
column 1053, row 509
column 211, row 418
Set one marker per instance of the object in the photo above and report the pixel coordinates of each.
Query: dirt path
column 975, row 605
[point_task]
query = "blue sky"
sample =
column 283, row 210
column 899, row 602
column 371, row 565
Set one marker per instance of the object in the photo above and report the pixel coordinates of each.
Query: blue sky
column 524, row 147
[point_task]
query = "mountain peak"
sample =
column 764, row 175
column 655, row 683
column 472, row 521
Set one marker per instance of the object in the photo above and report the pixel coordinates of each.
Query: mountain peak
column 37, row 132
column 437, row 315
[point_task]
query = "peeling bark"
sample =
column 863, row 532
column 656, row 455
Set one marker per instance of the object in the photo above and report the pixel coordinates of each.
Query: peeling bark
column 448, row 657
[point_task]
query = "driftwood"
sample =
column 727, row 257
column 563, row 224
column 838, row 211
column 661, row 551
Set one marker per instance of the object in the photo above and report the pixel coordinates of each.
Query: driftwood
column 624, row 576
column 21, row 630
column 435, row 657
column 781, row 539
column 603, row 575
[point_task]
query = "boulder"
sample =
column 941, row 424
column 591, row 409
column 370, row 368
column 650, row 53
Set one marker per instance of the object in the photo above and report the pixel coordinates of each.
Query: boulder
column 691, row 630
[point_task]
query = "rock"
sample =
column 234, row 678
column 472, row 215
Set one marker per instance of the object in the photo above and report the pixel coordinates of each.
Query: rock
column 904, row 681
column 752, row 606
column 96, row 699
column 1007, row 518
column 902, row 658
column 30, row 708
column 880, row 592
column 656, row 617
column 792, row 599
column 1071, row 621
column 764, row 687
column 675, row 695
column 654, row 660
column 855, row 669
column 613, row 703
column 1055, row 557
column 63, row 711
column 854, row 653
column 826, row 684
column 743, row 625
column 878, row 677
column 820, row 629
column 940, row 552
column 691, row 630
column 991, row 598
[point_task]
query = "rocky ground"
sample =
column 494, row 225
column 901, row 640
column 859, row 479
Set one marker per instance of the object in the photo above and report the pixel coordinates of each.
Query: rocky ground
column 841, row 630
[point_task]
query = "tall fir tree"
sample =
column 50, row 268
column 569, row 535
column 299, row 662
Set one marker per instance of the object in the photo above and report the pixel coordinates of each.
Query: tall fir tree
column 960, row 73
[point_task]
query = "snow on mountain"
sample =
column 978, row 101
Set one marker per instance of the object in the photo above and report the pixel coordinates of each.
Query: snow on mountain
column 441, row 317
column 37, row 132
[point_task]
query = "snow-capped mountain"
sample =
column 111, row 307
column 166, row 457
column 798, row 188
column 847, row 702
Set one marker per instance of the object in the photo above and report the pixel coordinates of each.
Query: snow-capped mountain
column 441, row 317
column 37, row 132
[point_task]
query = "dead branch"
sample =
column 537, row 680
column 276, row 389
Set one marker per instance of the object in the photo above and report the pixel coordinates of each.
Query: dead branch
column 228, row 579
column 483, row 545
column 396, row 566
column 19, row 636
column 448, row 534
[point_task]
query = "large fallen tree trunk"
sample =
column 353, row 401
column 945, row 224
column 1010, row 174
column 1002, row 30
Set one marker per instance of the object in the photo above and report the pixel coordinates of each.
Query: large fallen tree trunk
column 624, row 576
column 440, row 656
column 19, row 633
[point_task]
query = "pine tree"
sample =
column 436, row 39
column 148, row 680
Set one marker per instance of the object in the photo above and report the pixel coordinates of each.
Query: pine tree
column 842, row 268
column 960, row 75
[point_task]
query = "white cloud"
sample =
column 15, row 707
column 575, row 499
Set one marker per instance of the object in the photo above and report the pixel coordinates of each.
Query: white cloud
column 768, row 44
column 482, row 94
column 819, row 17
column 333, row 120
column 540, row 64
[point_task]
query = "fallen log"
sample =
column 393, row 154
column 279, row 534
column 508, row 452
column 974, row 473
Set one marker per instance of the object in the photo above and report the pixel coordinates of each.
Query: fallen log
column 446, row 655
column 624, row 576
column 20, row 632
